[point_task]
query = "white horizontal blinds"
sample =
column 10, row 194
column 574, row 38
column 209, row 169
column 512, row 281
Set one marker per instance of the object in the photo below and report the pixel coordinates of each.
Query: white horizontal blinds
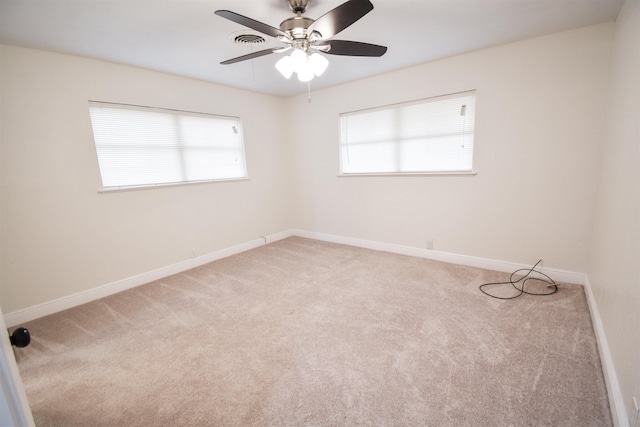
column 212, row 148
column 139, row 146
column 432, row 135
column 368, row 142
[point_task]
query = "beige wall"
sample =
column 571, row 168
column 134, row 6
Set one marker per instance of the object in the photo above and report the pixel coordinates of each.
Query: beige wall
column 540, row 108
column 614, row 269
column 59, row 235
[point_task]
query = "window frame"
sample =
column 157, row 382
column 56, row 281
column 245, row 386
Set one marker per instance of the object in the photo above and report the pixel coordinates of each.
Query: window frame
column 176, row 113
column 395, row 106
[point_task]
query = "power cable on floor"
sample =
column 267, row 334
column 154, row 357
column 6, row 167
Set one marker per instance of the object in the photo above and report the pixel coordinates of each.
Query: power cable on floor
column 549, row 281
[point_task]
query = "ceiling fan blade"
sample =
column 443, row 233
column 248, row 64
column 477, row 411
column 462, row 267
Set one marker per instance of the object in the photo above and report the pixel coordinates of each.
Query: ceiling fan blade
column 336, row 20
column 257, row 54
column 251, row 23
column 349, row 48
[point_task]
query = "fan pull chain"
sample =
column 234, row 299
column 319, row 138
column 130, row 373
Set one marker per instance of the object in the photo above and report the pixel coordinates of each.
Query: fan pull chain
column 309, row 91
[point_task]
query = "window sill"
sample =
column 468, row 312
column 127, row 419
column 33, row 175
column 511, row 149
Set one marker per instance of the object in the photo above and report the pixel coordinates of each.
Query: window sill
column 349, row 175
column 170, row 184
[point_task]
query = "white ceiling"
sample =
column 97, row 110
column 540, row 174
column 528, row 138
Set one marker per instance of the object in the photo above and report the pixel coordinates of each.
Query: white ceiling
column 185, row 37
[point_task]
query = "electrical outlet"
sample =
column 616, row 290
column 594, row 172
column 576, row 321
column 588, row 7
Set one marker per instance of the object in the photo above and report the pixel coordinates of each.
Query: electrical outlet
column 429, row 244
column 193, row 253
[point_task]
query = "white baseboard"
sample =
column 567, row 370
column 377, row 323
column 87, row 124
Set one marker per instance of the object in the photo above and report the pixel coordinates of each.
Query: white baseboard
column 470, row 261
column 25, row 315
column 616, row 401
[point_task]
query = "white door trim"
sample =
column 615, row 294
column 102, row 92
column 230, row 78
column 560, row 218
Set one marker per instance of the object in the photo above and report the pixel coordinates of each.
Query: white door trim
column 14, row 406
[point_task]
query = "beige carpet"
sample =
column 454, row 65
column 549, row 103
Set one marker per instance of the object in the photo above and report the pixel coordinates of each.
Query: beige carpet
column 302, row 332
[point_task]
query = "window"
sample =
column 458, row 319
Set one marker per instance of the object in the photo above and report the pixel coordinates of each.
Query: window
column 432, row 135
column 142, row 146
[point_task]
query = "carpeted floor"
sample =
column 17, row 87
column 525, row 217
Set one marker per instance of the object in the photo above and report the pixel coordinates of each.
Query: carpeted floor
column 302, row 332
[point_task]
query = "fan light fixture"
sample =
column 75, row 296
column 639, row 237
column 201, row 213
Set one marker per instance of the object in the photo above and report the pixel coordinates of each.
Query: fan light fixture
column 305, row 65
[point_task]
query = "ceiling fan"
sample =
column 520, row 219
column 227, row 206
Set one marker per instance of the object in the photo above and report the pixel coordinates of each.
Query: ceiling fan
column 308, row 37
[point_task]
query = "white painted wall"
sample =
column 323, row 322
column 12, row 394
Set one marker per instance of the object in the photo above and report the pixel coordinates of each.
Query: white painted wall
column 614, row 268
column 539, row 123
column 59, row 235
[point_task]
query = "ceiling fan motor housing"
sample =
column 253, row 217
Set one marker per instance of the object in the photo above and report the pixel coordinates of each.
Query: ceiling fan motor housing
column 297, row 26
column 298, row 29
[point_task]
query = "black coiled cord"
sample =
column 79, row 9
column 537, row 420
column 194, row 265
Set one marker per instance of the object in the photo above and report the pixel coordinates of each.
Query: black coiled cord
column 549, row 281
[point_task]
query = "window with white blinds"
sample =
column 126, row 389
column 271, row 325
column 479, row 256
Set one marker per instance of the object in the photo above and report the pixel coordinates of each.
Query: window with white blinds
column 432, row 135
column 142, row 146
